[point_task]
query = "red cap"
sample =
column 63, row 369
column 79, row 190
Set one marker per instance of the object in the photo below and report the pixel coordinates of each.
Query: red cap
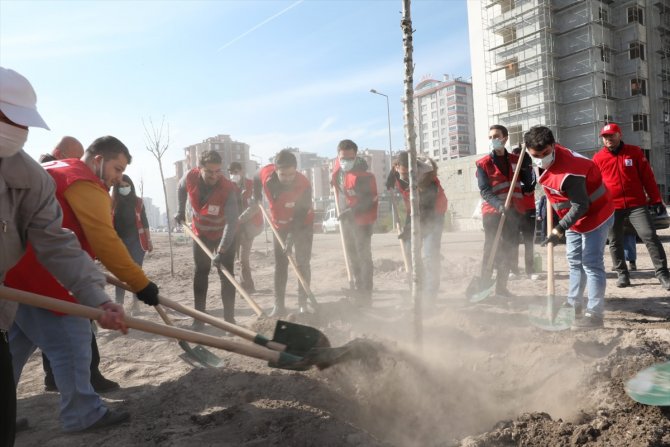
column 609, row 129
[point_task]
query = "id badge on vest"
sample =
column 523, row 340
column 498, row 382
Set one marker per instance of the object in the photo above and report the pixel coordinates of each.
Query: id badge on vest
column 628, row 162
column 213, row 210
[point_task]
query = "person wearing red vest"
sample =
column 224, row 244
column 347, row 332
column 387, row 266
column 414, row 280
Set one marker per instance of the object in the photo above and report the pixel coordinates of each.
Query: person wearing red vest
column 576, row 191
column 213, row 206
column 356, row 190
column 526, row 229
column 289, row 196
column 250, row 224
column 630, row 179
column 494, row 177
column 433, row 205
column 82, row 191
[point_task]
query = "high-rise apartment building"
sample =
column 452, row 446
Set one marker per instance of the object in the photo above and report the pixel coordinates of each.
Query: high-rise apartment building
column 444, row 115
column 228, row 149
column 574, row 65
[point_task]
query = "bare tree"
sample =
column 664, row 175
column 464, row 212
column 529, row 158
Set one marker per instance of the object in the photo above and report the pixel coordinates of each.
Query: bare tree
column 406, row 26
column 157, row 142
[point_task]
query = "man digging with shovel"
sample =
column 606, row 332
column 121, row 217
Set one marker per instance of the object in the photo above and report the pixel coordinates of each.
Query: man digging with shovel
column 575, row 189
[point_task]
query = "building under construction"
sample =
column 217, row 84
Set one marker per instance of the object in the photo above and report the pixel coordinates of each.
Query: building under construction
column 573, row 65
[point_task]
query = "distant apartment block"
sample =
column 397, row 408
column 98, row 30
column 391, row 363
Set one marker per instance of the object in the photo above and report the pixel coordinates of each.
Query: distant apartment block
column 574, row 65
column 229, row 150
column 444, row 115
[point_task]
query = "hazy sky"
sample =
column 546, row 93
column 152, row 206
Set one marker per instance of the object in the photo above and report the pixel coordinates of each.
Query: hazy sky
column 269, row 73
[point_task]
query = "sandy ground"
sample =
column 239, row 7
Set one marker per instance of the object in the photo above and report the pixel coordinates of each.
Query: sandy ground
column 483, row 375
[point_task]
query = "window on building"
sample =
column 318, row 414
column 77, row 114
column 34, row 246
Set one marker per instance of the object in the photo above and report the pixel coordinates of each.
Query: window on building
column 454, row 148
column 605, row 53
column 436, row 143
column 450, row 88
column 445, row 151
column 425, row 135
column 433, row 115
column 607, row 118
column 460, row 89
column 433, row 96
column 635, row 14
column 508, row 34
column 506, row 5
column 442, row 111
column 424, row 117
column 453, row 138
column 607, row 88
column 636, row 50
column 512, row 69
column 436, row 152
column 424, row 108
column 434, row 123
column 452, row 118
column 444, row 141
column 463, row 119
column 465, row 148
column 462, row 129
column 453, row 128
column 463, row 139
column 441, row 101
column 514, row 101
column 461, row 108
column 433, row 105
column 603, row 15
column 443, row 121
column 434, row 133
column 450, row 108
column 515, row 135
column 452, row 99
column 640, row 123
column 460, row 99
column 638, row 87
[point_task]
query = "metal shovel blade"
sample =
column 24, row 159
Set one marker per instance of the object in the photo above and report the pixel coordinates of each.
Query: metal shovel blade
column 550, row 318
column 298, row 338
column 480, row 288
column 651, row 386
column 201, row 355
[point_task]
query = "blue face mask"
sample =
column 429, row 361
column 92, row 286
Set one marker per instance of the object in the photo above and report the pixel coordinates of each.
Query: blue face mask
column 124, row 190
column 347, row 164
column 495, row 144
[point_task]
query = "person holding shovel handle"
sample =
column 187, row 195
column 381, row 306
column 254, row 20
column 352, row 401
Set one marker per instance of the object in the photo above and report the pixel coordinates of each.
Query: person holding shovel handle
column 356, row 189
column 494, row 176
column 289, row 195
column 214, row 208
column 575, row 190
column 433, row 205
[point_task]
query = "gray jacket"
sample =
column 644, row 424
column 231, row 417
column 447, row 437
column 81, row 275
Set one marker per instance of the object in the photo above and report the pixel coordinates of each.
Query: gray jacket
column 29, row 212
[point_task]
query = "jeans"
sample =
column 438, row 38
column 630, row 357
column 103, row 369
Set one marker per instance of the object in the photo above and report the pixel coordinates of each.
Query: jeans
column 7, row 394
column 136, row 251
column 203, row 264
column 585, row 253
column 431, row 257
column 358, row 240
column 640, row 219
column 66, row 340
column 629, row 247
column 302, row 243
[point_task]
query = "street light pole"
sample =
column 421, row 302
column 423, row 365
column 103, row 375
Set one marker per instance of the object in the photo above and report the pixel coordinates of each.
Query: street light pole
column 388, row 117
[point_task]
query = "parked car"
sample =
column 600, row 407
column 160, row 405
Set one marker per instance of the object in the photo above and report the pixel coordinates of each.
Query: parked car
column 330, row 223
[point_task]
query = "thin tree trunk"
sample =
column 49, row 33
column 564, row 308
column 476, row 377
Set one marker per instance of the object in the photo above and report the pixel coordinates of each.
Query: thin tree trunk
column 406, row 25
column 167, row 212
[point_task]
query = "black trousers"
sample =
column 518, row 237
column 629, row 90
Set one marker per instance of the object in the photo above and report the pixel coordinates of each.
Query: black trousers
column 7, row 394
column 640, row 219
column 302, row 246
column 527, row 233
column 358, row 240
column 95, row 361
column 509, row 238
column 203, row 264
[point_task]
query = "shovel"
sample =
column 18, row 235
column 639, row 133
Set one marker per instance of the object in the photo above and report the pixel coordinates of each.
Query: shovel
column 344, row 245
column 256, row 308
column 293, row 338
column 549, row 317
column 275, row 359
column 481, row 288
column 291, row 261
column 651, row 386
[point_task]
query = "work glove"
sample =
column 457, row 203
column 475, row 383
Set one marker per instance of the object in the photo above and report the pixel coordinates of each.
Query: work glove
column 149, row 295
column 659, row 208
column 180, row 218
column 113, row 317
column 288, row 243
column 555, row 236
column 346, row 214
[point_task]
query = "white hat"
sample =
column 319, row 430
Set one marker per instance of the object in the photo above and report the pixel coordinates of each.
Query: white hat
column 18, row 100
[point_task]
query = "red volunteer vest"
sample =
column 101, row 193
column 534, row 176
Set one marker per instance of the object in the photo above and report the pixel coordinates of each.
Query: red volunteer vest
column 141, row 232
column 29, row 275
column 208, row 217
column 282, row 207
column 500, row 182
column 245, row 194
column 351, row 196
column 441, row 202
column 567, row 163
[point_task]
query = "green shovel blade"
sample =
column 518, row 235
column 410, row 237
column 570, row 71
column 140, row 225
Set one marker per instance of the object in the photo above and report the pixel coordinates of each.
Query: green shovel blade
column 480, row 289
column 543, row 318
column 651, row 386
column 201, row 355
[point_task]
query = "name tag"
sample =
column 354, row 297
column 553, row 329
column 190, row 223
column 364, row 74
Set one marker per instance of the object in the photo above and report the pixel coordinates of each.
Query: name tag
column 628, row 162
column 213, row 210
column 290, row 205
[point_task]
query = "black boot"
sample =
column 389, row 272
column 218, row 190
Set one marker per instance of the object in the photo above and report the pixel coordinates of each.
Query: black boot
column 101, row 384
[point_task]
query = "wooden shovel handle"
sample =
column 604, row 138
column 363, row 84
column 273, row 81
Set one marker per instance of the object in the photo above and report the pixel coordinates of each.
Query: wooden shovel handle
column 344, row 245
column 256, row 308
column 550, row 252
column 91, row 313
column 202, row 316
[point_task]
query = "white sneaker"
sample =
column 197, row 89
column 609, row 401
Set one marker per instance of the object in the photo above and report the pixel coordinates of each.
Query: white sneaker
column 534, row 277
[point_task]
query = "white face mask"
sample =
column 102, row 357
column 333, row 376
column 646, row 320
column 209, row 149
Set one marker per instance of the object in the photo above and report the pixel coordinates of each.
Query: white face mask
column 124, row 190
column 347, row 164
column 544, row 162
column 235, row 178
column 495, row 144
column 12, row 139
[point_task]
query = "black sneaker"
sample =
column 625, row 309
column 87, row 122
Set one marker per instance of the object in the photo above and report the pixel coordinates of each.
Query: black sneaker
column 665, row 282
column 623, row 280
column 590, row 321
column 103, row 385
column 112, row 417
column 632, row 266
